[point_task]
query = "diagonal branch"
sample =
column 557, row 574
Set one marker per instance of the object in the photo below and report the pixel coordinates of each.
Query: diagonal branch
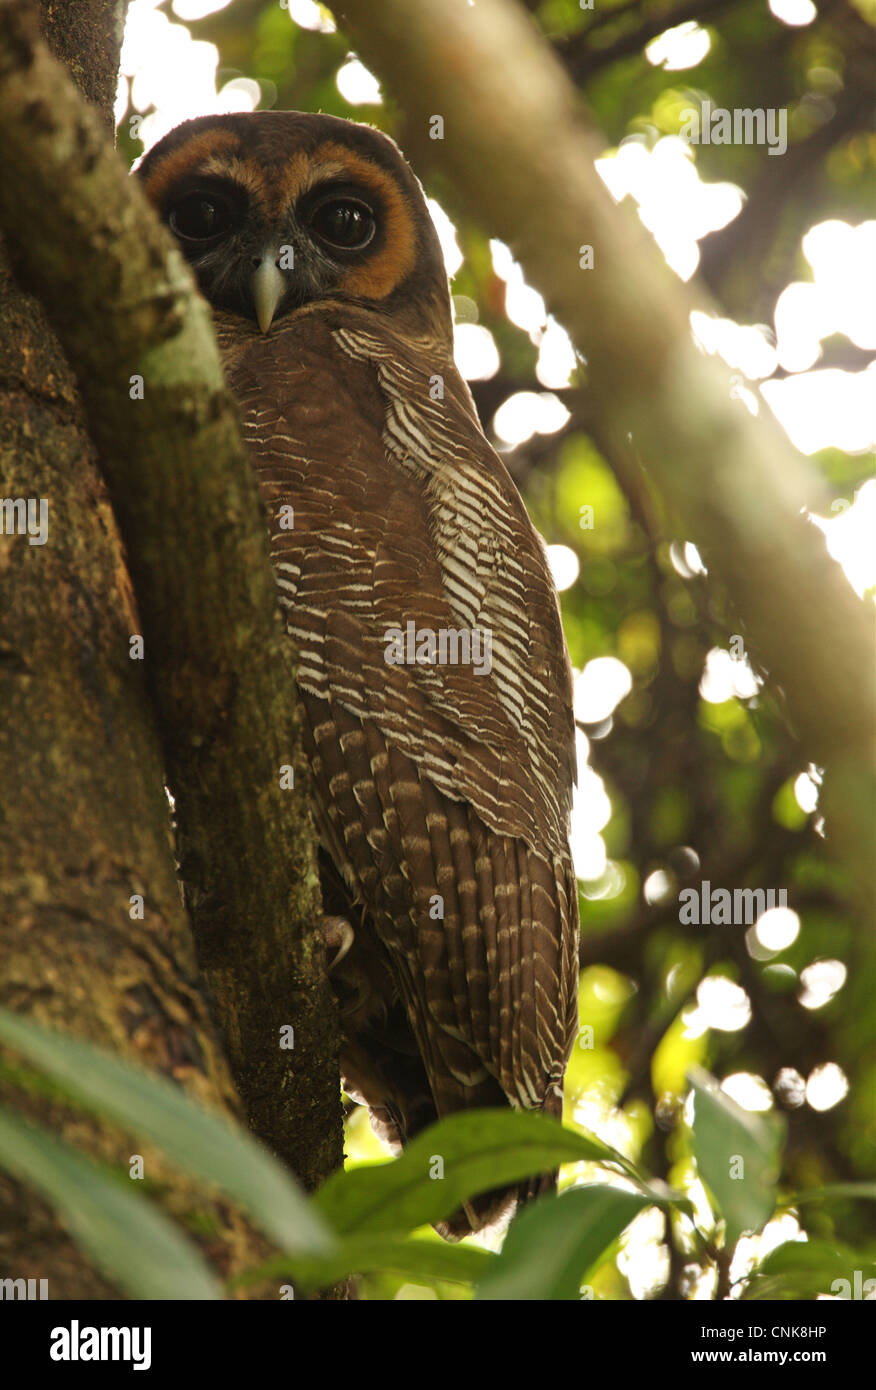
column 521, row 153
column 216, row 658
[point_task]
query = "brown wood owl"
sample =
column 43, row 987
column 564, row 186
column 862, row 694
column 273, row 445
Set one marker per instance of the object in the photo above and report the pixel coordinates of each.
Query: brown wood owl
column 431, row 660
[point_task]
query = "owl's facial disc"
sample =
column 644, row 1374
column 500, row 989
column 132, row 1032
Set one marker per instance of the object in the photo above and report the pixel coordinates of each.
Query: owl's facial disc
column 338, row 224
column 263, row 267
column 278, row 212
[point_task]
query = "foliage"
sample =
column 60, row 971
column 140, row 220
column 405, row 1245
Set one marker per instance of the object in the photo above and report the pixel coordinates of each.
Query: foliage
column 362, row 1220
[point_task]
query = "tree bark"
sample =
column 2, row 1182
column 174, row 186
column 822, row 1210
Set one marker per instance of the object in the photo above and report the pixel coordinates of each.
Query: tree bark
column 89, row 733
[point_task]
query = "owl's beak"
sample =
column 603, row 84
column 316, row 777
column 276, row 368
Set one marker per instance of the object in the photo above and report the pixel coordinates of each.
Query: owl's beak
column 268, row 285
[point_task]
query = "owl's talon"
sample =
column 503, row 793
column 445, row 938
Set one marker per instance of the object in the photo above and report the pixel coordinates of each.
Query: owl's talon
column 337, row 934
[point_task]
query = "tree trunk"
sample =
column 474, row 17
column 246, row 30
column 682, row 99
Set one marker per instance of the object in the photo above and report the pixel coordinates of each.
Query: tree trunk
column 95, row 937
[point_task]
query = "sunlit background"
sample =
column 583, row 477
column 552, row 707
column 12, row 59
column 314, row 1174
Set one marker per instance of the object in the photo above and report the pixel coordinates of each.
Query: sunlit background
column 168, row 76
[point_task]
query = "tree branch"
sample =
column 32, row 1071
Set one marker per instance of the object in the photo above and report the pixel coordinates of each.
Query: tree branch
column 583, row 59
column 84, row 821
column 217, row 660
column 738, row 252
column 525, row 167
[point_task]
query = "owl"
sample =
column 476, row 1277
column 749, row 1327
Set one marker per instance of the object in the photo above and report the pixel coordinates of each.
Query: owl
column 431, row 663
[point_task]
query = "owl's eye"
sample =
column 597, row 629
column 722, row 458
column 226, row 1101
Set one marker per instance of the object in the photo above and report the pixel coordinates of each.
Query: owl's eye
column 202, row 217
column 344, row 223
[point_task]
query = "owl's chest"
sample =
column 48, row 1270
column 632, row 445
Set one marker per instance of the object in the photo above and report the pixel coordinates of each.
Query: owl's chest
column 359, row 484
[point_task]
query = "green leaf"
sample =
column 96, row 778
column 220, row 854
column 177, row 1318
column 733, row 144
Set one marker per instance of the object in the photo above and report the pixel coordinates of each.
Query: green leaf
column 479, row 1149
column 200, row 1141
column 131, row 1241
column 423, row 1259
column 803, row 1269
column 737, row 1154
column 551, row 1245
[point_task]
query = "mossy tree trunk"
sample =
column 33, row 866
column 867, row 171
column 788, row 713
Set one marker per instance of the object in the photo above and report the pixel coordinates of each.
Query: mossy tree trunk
column 96, row 937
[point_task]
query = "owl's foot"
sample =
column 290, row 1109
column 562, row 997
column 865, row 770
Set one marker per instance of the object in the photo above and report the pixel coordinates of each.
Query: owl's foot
column 337, row 934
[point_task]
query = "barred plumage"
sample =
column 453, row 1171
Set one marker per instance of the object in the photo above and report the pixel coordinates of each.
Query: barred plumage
column 442, row 795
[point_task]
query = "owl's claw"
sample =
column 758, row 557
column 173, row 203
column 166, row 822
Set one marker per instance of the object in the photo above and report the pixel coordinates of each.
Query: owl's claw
column 337, row 934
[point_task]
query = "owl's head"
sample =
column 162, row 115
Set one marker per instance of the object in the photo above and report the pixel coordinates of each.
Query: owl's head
column 276, row 210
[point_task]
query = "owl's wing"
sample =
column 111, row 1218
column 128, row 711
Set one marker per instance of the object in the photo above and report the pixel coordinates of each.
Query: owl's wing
column 437, row 780
column 493, row 577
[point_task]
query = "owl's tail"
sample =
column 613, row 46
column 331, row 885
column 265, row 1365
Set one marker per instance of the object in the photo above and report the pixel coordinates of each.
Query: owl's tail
column 382, row 1062
column 401, row 1106
column 494, row 1208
